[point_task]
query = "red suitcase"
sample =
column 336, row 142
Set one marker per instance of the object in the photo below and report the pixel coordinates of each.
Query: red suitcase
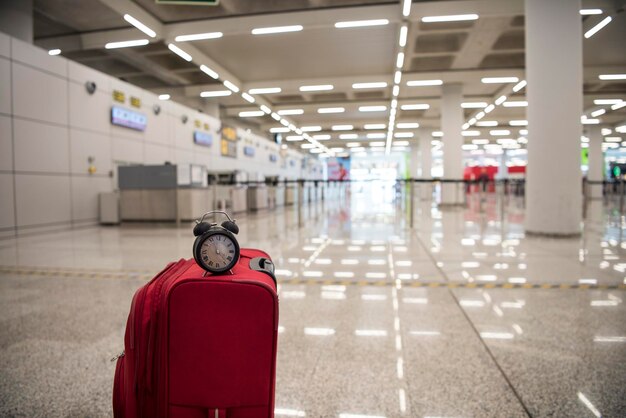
column 198, row 345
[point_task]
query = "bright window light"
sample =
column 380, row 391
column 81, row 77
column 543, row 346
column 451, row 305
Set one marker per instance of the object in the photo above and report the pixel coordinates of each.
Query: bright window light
column 209, row 72
column 588, row 12
column 277, row 29
column 494, row 80
column 266, row 109
column 500, row 100
column 518, row 122
column 54, row 52
column 342, row 127
column 361, row 23
column 139, row 25
column 372, row 108
column 400, row 60
column 331, row 110
column 126, row 44
column 406, row 8
column 374, row 126
column 247, row 97
column 404, row 135
column 449, row 18
column 320, row 87
column 279, row 129
column 179, row 52
column 423, row 83
column 251, row 114
column 164, row 96
column 265, row 90
column 519, row 86
column 473, row 105
column 612, row 77
column 407, row 125
column 404, row 30
column 348, row 136
column 286, row 112
column 500, row 132
column 415, row 106
column 311, row 128
column 216, row 93
column 515, row 103
column 598, row 27
column 198, row 36
column 373, row 85
column 231, row 86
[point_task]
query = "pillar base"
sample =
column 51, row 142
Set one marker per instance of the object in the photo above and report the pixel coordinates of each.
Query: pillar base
column 452, row 194
column 553, row 235
column 594, row 191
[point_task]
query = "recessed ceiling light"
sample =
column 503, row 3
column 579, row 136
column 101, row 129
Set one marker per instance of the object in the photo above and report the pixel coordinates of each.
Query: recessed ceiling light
column 279, row 129
column 376, row 136
column 400, row 60
column 276, row 29
column 198, row 36
column 251, row 114
column 374, row 126
column 518, row 123
column 265, row 90
column 209, row 72
column 515, row 103
column 126, row 44
column 404, row 30
column 348, row 136
column 407, row 125
column 612, row 77
column 489, row 108
column 361, row 23
column 216, row 93
column 285, row 112
column 500, row 132
column 597, row 27
column 597, row 113
column 320, row 87
column 470, row 133
column 136, row 23
column 311, row 128
column 229, row 85
column 473, row 105
column 164, row 96
column 321, row 137
column 373, row 85
column 404, row 135
column 493, row 80
column 179, row 52
column 293, row 138
column 331, row 110
column 500, row 100
column 588, row 12
column 342, row 127
column 372, row 108
column 247, row 97
column 519, row 86
column 415, row 106
column 423, row 83
column 487, row 123
column 266, row 109
column 377, row 144
column 406, row 8
column 618, row 105
column 449, row 18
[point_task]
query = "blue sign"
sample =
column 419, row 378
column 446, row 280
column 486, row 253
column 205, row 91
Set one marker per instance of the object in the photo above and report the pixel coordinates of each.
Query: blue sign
column 248, row 151
column 273, row 158
column 128, row 118
column 202, row 138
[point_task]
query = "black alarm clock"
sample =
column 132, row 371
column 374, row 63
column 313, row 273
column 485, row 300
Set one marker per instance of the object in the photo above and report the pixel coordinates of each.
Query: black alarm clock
column 216, row 249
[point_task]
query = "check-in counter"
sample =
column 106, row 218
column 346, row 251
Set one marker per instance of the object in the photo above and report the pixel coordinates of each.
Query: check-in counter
column 193, row 203
column 239, row 199
column 257, row 197
column 291, row 194
column 279, row 195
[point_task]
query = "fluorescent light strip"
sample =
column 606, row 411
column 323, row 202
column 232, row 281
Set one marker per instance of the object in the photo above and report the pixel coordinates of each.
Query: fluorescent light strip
column 321, row 87
column 278, row 130
column 286, row 112
column 395, row 91
column 373, row 85
column 198, row 36
column 517, row 103
column 209, row 72
column 470, row 133
column 407, row 125
column 331, row 110
column 376, row 136
column 618, row 105
column 400, row 60
column 374, row 126
column 423, row 83
column 372, row 108
column 518, row 122
column 179, row 52
column 361, row 23
column 247, row 97
column 449, row 18
column 404, row 30
column 612, row 77
column 499, row 132
column 277, row 29
column 603, row 102
column 487, row 123
column 416, row 106
column 404, row 135
column 494, row 80
column 348, row 136
column 266, row 109
column 136, row 23
column 342, row 127
column 500, row 100
column 275, row 116
column 54, row 52
column 598, row 27
column 251, row 114
column 265, row 90
column 473, row 105
column 589, row 12
column 397, row 77
column 164, row 96
column 231, row 86
column 321, row 137
column 216, row 93
column 292, row 138
column 489, row 108
column 406, row 8
column 311, row 128
column 126, row 44
column 597, row 113
column 519, row 86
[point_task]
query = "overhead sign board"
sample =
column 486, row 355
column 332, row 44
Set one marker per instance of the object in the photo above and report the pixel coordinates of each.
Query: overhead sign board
column 202, row 138
column 128, row 118
column 248, row 151
column 190, row 2
column 229, row 141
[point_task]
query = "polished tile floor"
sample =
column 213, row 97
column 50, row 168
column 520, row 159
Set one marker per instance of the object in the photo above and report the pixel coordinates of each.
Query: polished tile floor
column 462, row 315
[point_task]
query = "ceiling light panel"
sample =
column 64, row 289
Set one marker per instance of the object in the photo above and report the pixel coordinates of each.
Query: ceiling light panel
column 407, row 125
column 126, row 44
column 276, row 29
column 139, row 25
column 209, row 72
column 251, row 114
column 372, row 108
column 424, row 83
column 449, row 18
column 286, row 112
column 320, row 87
column 415, row 106
column 361, row 23
column 473, row 105
column 374, row 126
column 342, row 127
column 598, row 27
column 496, row 80
column 373, row 85
column 265, row 90
column 198, row 36
column 229, row 85
column 179, row 52
column 216, row 93
column 331, row 110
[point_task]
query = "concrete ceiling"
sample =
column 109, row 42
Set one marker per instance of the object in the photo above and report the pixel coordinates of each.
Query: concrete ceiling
column 455, row 52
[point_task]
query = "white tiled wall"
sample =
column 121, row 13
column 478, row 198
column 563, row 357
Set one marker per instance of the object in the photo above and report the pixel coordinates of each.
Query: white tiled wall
column 50, row 127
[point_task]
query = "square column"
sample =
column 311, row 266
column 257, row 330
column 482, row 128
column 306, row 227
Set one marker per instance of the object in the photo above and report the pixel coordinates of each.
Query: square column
column 451, row 126
column 555, row 102
column 596, row 161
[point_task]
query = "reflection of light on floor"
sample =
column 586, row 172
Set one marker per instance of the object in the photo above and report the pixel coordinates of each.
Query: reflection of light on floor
column 417, row 301
column 599, row 339
column 497, row 335
column 349, row 261
column 370, row 333
column 589, row 405
column 319, row 331
column 288, row 412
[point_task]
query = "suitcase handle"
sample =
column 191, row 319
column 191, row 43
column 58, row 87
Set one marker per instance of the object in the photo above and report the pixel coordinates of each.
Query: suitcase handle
column 263, row 265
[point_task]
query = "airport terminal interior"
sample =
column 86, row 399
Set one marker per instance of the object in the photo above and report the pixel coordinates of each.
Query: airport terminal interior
column 440, row 186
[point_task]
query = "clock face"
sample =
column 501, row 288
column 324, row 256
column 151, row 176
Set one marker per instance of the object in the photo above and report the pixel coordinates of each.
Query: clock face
column 219, row 252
